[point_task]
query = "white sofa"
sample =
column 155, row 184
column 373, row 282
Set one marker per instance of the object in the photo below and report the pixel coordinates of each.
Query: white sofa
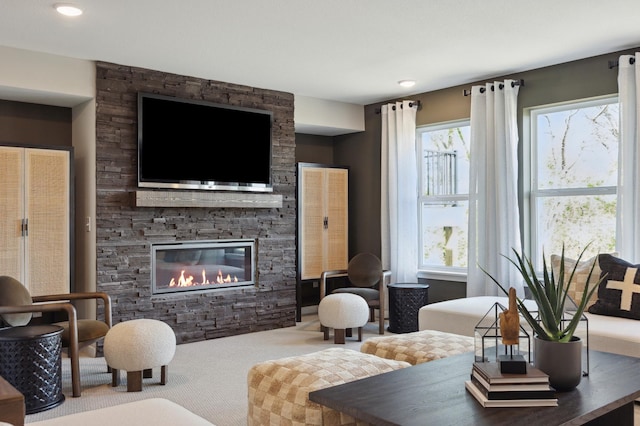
column 152, row 411
column 460, row 316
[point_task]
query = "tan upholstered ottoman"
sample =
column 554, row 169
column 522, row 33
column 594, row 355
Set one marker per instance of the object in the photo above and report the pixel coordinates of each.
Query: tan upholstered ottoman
column 419, row 346
column 279, row 389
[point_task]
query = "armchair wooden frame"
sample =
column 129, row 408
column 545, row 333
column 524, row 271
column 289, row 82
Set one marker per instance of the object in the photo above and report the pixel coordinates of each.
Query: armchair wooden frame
column 385, row 279
column 61, row 302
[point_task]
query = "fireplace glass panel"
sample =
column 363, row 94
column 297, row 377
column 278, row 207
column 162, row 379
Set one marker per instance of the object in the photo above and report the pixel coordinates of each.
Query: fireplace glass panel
column 200, row 265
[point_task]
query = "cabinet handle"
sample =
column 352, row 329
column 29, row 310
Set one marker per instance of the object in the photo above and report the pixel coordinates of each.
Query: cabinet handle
column 326, row 222
column 25, row 227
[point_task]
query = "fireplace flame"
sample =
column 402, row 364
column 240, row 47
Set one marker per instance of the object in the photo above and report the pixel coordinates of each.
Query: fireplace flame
column 182, row 281
column 189, row 281
column 221, row 280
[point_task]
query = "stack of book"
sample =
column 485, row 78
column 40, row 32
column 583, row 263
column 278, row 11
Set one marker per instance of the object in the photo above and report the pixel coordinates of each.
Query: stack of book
column 494, row 389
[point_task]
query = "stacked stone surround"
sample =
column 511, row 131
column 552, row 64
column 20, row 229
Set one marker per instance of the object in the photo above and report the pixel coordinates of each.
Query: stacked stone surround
column 125, row 232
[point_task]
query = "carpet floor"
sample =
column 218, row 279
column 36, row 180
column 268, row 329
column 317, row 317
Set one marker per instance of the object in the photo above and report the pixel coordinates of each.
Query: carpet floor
column 208, row 378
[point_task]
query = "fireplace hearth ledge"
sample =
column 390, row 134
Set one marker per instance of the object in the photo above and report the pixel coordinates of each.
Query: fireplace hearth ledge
column 187, row 295
column 207, row 199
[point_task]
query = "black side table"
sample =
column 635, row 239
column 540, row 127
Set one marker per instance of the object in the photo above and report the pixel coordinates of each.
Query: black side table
column 405, row 300
column 30, row 359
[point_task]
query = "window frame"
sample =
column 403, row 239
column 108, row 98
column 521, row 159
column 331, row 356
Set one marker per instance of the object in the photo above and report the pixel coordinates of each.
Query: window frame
column 438, row 272
column 530, row 166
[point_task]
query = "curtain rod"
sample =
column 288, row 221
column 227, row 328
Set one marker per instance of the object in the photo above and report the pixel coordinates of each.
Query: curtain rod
column 614, row 64
column 501, row 86
column 418, row 105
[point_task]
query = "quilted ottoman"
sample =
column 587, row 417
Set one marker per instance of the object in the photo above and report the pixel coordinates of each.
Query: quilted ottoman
column 279, row 389
column 419, row 346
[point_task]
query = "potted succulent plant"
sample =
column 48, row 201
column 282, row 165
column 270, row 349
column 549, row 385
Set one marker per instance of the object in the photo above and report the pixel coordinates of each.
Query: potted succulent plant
column 557, row 318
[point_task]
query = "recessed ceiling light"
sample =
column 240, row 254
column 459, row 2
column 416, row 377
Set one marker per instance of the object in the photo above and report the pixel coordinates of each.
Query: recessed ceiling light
column 67, row 9
column 407, row 83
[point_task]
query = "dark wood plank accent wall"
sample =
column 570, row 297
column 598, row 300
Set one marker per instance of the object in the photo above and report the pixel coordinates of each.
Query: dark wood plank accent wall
column 125, row 232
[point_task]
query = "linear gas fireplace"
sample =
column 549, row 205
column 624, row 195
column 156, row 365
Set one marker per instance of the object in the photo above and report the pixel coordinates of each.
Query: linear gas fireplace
column 202, row 265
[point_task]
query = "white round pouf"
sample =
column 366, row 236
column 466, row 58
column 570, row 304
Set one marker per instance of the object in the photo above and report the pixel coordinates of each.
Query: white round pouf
column 342, row 311
column 137, row 346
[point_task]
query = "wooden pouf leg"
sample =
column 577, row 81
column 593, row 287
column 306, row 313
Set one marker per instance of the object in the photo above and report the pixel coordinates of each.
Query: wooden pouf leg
column 359, row 334
column 343, row 312
column 115, row 377
column 164, row 373
column 137, row 346
column 134, row 381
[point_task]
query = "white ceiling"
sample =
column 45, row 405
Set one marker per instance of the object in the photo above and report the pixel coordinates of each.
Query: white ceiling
column 351, row 51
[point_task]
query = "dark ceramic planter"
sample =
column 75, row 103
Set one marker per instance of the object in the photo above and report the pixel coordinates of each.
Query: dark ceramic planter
column 561, row 361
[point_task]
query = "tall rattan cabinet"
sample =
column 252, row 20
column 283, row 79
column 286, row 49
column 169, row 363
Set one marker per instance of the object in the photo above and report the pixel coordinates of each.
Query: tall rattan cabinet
column 36, row 217
column 323, row 222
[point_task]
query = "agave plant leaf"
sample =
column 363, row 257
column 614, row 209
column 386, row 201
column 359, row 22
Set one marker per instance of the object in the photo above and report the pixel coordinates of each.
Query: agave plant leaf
column 550, row 293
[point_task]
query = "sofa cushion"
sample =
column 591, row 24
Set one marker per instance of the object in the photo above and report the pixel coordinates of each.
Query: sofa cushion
column 461, row 316
column 619, row 291
column 606, row 333
column 152, row 411
column 577, row 285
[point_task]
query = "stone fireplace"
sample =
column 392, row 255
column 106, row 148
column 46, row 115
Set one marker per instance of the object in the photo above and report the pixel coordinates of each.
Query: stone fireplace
column 130, row 222
column 202, row 265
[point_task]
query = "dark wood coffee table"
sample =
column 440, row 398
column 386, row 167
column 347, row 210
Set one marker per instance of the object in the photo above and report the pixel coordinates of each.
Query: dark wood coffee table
column 433, row 393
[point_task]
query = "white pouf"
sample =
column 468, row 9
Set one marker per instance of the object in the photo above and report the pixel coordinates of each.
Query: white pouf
column 342, row 312
column 137, row 346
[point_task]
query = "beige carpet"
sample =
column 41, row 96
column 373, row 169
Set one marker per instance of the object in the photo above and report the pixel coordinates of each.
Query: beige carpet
column 208, row 378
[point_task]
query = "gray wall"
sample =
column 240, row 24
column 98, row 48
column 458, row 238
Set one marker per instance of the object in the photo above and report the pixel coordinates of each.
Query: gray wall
column 314, row 149
column 126, row 231
column 24, row 123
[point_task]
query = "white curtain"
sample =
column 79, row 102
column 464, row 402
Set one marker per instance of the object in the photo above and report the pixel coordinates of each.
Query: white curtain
column 493, row 189
column 399, row 193
column 628, row 232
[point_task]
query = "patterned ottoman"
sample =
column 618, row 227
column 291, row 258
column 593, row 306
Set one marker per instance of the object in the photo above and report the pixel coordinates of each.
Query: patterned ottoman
column 419, row 346
column 279, row 389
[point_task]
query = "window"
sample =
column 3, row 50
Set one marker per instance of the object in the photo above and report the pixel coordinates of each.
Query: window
column 444, row 196
column 573, row 179
column 570, row 174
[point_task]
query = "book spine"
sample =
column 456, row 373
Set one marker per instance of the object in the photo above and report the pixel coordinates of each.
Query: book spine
column 479, row 396
column 498, row 378
column 503, row 387
column 521, row 394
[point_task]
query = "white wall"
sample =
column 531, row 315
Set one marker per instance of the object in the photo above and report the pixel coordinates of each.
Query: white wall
column 328, row 118
column 33, row 77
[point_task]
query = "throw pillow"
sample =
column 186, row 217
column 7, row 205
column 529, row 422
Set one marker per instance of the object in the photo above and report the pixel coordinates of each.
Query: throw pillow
column 619, row 291
column 577, row 285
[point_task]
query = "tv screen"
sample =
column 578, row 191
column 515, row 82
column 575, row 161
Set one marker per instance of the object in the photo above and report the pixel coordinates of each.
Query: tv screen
column 188, row 144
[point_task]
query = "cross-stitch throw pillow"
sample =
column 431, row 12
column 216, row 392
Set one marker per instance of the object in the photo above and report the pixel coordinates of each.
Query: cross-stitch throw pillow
column 619, row 291
column 577, row 285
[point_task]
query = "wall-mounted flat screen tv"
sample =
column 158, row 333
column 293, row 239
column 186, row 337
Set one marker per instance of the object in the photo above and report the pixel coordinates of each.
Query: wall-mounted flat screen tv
column 189, row 144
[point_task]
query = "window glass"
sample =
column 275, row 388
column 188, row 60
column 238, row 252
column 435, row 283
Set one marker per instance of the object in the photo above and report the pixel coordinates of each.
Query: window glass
column 444, row 171
column 574, row 177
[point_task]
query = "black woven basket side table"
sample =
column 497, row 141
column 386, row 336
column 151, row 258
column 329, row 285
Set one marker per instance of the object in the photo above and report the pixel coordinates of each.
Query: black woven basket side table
column 30, row 359
column 405, row 300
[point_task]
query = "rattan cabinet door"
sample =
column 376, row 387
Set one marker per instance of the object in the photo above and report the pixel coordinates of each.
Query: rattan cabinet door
column 11, row 211
column 35, row 224
column 323, row 220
